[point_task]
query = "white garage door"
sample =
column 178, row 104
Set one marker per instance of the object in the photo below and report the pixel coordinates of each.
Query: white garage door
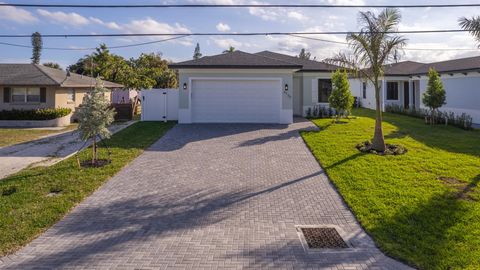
column 236, row 101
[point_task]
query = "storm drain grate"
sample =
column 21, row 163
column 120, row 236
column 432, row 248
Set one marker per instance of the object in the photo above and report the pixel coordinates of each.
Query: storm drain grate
column 323, row 238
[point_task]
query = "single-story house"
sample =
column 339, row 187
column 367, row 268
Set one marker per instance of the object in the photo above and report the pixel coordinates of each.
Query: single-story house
column 405, row 82
column 264, row 87
column 32, row 86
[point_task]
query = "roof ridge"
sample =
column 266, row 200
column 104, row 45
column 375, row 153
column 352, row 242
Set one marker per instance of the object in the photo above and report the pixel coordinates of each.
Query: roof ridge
column 274, row 58
column 37, row 66
column 297, row 58
column 456, row 59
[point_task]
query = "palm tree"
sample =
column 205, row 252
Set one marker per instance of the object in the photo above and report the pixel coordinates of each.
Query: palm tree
column 231, row 49
column 471, row 25
column 373, row 47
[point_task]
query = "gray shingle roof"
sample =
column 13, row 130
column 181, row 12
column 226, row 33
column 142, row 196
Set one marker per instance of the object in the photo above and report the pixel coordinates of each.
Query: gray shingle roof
column 32, row 74
column 404, row 68
column 236, row 59
column 307, row 65
column 462, row 64
column 408, row 68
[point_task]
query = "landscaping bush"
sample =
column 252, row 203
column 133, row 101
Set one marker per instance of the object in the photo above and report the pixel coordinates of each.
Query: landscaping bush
column 463, row 121
column 39, row 114
column 319, row 111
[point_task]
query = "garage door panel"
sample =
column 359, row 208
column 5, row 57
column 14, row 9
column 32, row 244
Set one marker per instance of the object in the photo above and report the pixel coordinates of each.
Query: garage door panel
column 245, row 101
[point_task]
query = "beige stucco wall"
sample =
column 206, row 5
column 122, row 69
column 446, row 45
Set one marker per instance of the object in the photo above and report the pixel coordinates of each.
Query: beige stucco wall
column 56, row 98
column 61, row 100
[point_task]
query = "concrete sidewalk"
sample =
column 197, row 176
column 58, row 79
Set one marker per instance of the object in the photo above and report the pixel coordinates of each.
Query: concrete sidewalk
column 45, row 151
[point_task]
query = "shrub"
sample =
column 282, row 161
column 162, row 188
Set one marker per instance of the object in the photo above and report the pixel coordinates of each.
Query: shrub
column 341, row 98
column 463, row 121
column 38, row 114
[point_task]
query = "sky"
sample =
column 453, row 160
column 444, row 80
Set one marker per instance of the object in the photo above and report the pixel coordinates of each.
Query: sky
column 223, row 20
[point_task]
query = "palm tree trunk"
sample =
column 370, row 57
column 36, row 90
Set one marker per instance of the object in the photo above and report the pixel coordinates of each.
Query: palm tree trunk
column 378, row 142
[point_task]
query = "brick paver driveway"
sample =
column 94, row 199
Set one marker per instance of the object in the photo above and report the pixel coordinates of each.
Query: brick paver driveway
column 206, row 197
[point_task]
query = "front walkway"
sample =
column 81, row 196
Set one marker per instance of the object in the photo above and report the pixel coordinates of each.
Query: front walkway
column 45, row 151
column 208, row 197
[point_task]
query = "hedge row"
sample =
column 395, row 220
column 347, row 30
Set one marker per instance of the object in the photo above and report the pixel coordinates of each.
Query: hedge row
column 39, row 114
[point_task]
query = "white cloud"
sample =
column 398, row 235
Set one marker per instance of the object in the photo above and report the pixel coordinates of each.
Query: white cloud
column 297, row 16
column 346, row 2
column 225, row 43
column 60, row 17
column 149, row 25
column 223, row 27
column 16, row 15
column 111, row 25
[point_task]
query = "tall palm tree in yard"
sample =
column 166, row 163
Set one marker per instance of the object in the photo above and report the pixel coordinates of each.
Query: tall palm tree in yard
column 472, row 25
column 372, row 47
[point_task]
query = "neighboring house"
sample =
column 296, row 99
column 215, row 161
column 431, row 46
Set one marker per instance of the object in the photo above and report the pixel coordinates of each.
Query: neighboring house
column 31, row 86
column 121, row 96
column 405, row 82
column 265, row 87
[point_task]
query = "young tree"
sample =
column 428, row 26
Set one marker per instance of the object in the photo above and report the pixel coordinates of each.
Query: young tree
column 230, row 49
column 435, row 95
column 52, row 65
column 304, row 54
column 197, row 54
column 37, row 45
column 341, row 98
column 94, row 116
column 372, row 48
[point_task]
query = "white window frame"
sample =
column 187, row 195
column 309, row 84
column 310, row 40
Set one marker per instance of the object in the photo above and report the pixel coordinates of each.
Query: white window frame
column 25, row 95
column 398, row 91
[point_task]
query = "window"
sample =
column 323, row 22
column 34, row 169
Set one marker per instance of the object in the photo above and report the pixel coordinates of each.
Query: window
column 25, row 95
column 392, row 90
column 324, row 90
column 364, row 89
column 71, row 95
column 18, row 94
column 33, row 94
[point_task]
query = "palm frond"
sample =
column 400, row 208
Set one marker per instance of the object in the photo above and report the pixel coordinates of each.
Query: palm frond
column 472, row 25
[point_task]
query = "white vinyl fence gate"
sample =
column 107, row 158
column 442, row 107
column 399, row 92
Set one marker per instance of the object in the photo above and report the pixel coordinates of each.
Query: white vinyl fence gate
column 159, row 104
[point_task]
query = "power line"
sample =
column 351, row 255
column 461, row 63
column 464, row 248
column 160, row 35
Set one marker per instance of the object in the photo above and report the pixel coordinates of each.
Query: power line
column 90, row 49
column 407, row 49
column 168, row 39
column 234, row 6
column 232, row 34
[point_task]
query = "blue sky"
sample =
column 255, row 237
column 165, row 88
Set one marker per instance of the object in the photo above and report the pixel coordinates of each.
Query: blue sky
column 80, row 21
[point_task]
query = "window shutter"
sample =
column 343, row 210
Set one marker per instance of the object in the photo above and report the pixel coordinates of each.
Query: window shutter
column 43, row 95
column 6, row 95
column 314, row 91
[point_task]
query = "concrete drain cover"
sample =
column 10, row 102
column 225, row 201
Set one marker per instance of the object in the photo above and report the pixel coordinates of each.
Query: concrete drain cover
column 319, row 237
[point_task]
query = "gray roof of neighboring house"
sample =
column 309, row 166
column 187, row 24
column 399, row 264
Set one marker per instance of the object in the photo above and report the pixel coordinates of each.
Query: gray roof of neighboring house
column 236, row 59
column 404, row 68
column 33, row 74
column 307, row 65
column 408, row 68
column 462, row 64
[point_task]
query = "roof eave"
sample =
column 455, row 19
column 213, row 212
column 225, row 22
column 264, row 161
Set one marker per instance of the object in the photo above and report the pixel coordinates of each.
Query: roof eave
column 231, row 67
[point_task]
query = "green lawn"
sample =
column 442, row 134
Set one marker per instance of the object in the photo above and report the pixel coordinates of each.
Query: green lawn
column 422, row 207
column 11, row 136
column 29, row 211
